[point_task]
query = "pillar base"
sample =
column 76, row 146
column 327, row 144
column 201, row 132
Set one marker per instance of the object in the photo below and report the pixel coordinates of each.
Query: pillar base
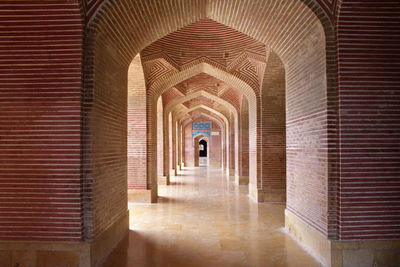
column 171, row 172
column 267, row 195
column 189, row 164
column 143, row 195
column 241, row 180
column 163, row 180
column 336, row 253
column 82, row 254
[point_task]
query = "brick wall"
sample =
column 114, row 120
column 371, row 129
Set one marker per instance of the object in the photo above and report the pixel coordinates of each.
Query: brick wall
column 232, row 133
column 369, row 84
column 137, row 156
column 174, row 144
column 160, row 138
column 179, row 141
column 306, row 130
column 188, row 145
column 273, row 126
column 105, row 127
column 196, row 149
column 40, row 117
column 41, row 105
column 170, row 143
column 292, row 30
column 214, row 143
column 244, row 138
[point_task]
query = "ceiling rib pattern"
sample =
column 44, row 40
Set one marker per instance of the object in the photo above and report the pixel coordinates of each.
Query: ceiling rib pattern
column 206, row 117
column 201, row 111
column 234, row 97
column 170, row 94
column 206, row 83
column 329, row 7
column 209, row 42
column 203, row 82
column 200, row 100
column 205, row 38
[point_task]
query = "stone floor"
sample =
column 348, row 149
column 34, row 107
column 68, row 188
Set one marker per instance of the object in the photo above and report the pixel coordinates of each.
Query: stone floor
column 204, row 220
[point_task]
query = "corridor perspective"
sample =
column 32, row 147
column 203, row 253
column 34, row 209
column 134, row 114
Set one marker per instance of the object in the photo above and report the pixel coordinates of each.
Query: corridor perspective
column 199, row 133
column 202, row 219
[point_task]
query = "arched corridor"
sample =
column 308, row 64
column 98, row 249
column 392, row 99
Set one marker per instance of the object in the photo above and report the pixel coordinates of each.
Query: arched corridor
column 202, row 219
column 104, row 103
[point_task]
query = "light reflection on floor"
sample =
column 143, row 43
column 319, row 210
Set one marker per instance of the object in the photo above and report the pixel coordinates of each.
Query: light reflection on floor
column 204, row 220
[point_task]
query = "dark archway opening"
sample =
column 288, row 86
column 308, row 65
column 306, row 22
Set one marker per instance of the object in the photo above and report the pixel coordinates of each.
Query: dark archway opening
column 203, row 148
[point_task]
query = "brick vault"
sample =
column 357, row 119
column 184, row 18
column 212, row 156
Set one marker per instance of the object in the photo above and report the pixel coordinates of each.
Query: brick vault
column 103, row 100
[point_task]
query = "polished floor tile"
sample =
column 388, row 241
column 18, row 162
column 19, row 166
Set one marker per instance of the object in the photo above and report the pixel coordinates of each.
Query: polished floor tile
column 204, row 220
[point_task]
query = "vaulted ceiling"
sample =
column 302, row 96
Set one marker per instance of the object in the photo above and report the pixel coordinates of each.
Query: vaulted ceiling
column 329, row 6
column 205, row 41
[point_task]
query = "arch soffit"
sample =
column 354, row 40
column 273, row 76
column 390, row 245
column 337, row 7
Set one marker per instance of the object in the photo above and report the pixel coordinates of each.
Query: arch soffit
column 210, row 117
column 282, row 25
column 204, row 138
column 170, row 106
column 213, row 117
column 161, row 85
column 220, row 115
column 288, row 16
column 201, row 136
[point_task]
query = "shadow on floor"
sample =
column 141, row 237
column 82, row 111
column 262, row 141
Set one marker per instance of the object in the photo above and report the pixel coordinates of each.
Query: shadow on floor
column 178, row 183
column 137, row 249
column 168, row 200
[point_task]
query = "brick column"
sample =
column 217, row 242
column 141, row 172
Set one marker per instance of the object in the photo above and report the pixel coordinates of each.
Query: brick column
column 232, row 146
column 273, row 180
column 161, row 178
column 243, row 177
column 139, row 183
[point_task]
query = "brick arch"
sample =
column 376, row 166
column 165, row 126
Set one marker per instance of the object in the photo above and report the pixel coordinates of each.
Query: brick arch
column 298, row 31
column 196, row 140
column 204, row 138
column 168, row 81
column 212, row 117
column 226, row 121
column 252, row 96
column 170, row 158
column 239, row 16
column 217, row 114
column 170, row 106
column 218, row 121
column 171, row 80
column 222, row 122
column 201, row 106
column 176, row 78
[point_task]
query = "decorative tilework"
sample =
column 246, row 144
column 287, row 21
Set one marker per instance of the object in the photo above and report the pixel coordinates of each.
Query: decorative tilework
column 201, row 126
